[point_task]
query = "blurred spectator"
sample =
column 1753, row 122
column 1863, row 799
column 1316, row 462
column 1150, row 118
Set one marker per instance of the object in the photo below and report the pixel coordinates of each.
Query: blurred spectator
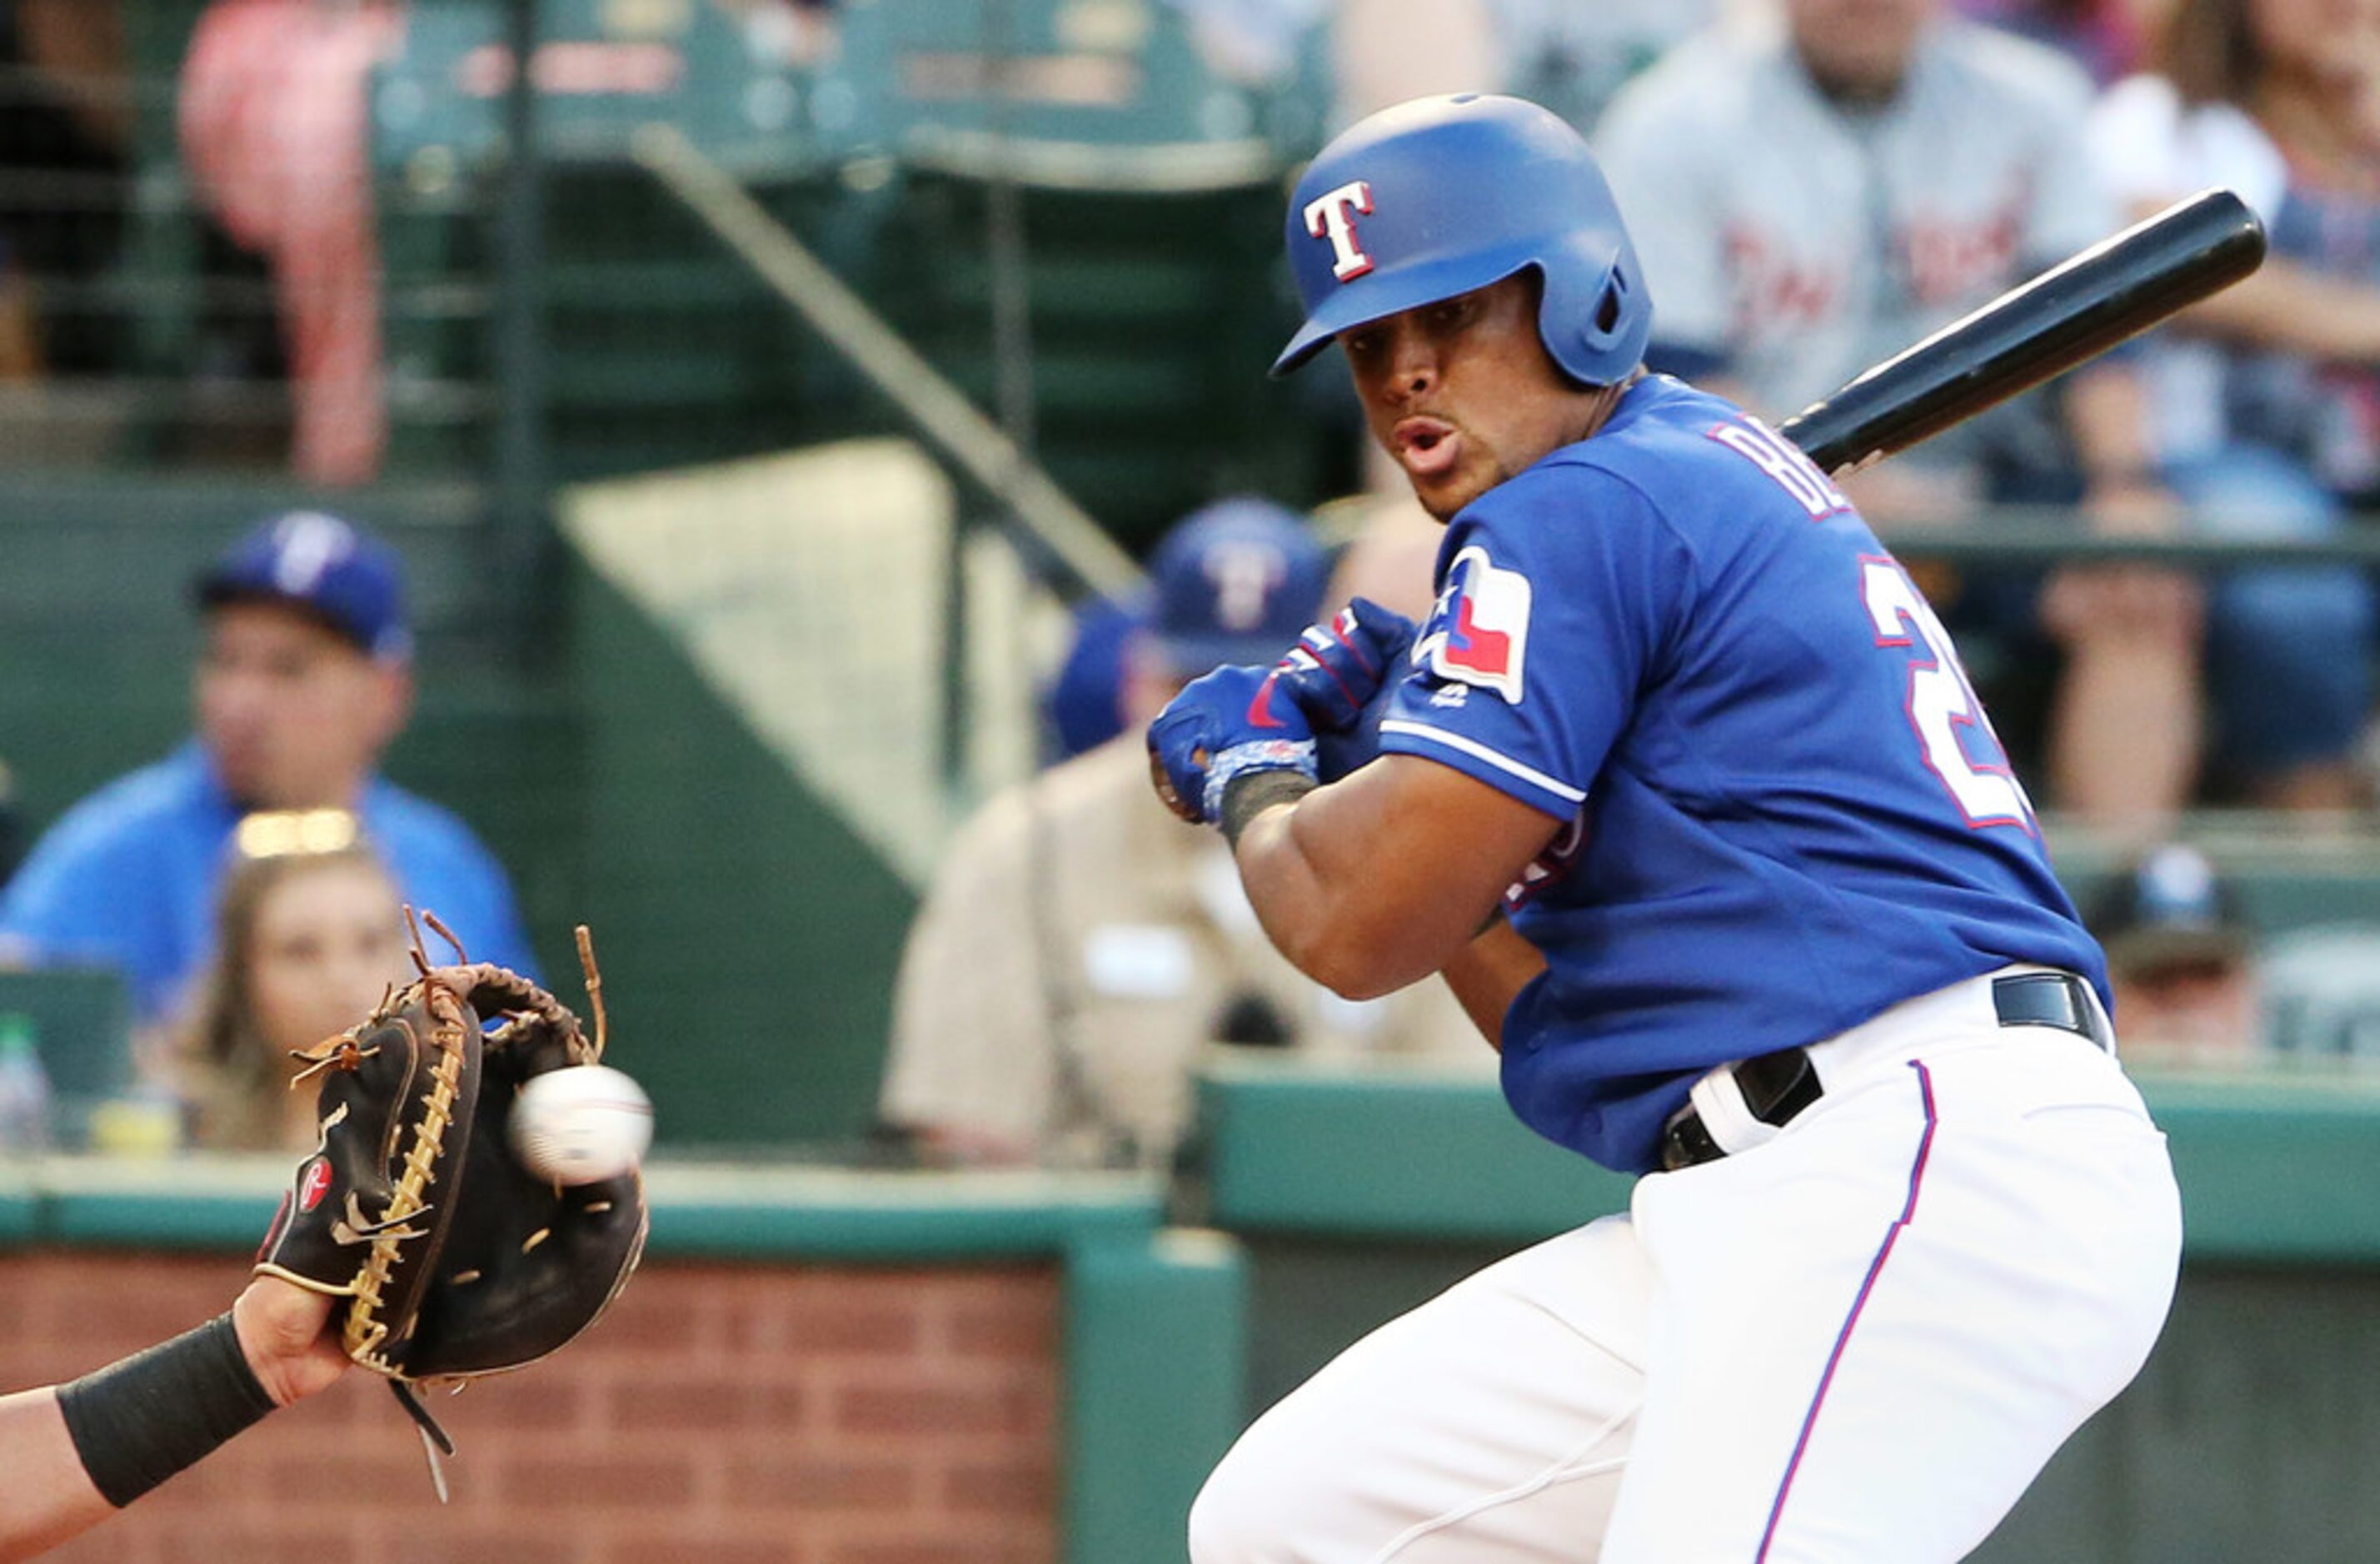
column 20, row 342
column 65, row 121
column 1572, row 58
column 1387, row 50
column 77, row 50
column 305, row 678
column 2266, row 401
column 1392, row 559
column 1569, row 56
column 1080, row 948
column 1253, row 42
column 1813, row 197
column 307, row 940
column 1086, row 700
column 2102, row 36
column 12, row 825
column 2182, row 960
column 273, row 120
column 2322, row 994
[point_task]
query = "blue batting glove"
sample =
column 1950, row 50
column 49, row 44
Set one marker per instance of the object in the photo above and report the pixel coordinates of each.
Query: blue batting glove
column 1356, row 746
column 1229, row 724
column 1335, row 669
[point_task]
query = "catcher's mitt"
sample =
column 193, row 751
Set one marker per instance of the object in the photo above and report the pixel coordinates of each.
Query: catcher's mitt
column 455, row 1259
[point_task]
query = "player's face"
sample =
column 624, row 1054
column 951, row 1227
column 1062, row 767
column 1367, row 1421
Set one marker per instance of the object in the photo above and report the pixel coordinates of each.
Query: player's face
column 328, row 938
column 294, row 715
column 1463, row 394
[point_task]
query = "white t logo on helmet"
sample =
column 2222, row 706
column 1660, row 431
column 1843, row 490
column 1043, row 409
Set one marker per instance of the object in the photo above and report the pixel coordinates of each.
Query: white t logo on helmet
column 1332, row 215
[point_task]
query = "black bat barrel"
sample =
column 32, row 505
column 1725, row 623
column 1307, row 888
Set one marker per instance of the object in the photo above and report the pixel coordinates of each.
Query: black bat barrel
column 2073, row 312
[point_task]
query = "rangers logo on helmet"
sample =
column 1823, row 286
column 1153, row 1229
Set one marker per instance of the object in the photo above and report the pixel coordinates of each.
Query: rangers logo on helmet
column 1456, row 193
column 1332, row 215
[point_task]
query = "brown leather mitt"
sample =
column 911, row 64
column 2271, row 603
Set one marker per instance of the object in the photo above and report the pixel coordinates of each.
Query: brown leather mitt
column 455, row 1259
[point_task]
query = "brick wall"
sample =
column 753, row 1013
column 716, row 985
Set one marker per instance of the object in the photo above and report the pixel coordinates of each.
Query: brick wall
column 722, row 1413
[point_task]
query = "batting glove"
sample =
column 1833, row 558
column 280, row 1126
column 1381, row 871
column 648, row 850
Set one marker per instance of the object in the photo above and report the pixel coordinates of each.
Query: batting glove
column 1336, row 754
column 1228, row 724
column 1335, row 669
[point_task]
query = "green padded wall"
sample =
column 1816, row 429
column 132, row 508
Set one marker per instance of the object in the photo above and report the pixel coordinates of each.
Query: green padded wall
column 748, row 941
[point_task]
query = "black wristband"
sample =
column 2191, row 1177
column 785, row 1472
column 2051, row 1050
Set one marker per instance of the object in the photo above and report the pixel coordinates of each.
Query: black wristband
column 143, row 1418
column 1252, row 793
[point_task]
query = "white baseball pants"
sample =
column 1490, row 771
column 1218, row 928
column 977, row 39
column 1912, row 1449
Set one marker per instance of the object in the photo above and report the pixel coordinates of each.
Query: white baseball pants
column 1855, row 1343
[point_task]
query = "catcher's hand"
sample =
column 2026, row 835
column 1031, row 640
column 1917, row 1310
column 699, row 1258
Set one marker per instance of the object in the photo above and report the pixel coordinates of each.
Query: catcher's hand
column 451, row 1259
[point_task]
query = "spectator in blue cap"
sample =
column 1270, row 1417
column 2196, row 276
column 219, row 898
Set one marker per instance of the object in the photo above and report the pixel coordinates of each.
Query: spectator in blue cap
column 305, row 676
column 1233, row 582
column 1077, row 951
column 2182, row 959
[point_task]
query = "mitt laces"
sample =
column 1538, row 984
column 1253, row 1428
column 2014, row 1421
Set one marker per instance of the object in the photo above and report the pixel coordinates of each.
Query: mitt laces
column 594, row 983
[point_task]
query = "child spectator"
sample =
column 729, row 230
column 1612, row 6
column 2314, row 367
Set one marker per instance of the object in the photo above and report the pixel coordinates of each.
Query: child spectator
column 307, row 938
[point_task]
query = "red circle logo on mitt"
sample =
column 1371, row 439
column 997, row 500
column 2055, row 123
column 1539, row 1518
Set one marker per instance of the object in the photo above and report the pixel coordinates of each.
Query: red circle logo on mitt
column 314, row 1185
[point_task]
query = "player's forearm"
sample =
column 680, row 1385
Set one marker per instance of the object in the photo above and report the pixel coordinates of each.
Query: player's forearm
column 1317, row 878
column 1488, row 973
column 45, row 1495
column 72, row 1455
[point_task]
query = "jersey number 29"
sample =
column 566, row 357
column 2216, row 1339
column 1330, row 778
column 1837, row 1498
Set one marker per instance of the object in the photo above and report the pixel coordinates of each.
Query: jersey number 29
column 1942, row 704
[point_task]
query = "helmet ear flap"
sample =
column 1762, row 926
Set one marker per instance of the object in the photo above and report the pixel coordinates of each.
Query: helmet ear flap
column 1613, row 307
column 1595, row 316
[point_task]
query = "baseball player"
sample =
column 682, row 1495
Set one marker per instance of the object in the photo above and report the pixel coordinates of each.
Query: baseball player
column 72, row 1455
column 1681, row 788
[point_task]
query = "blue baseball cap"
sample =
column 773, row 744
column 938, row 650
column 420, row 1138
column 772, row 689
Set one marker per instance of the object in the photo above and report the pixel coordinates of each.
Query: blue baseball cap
column 2169, row 905
column 323, row 566
column 1235, row 582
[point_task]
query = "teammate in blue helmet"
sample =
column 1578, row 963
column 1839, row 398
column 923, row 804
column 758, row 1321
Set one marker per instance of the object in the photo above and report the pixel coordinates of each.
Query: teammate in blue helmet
column 1682, row 789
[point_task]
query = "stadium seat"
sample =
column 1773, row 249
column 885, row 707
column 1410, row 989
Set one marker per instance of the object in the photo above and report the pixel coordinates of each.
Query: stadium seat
column 1146, row 186
column 662, row 349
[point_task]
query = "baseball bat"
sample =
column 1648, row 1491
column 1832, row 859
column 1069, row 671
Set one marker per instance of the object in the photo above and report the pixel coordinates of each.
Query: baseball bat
column 2076, row 311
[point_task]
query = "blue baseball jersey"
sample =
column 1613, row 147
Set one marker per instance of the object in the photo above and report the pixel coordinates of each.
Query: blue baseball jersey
column 1783, row 809
column 128, row 878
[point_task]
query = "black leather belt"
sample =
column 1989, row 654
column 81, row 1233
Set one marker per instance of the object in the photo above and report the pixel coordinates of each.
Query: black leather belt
column 1779, row 1086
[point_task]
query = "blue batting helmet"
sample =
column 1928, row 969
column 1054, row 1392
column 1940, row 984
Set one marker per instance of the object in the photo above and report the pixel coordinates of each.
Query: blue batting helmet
column 1439, row 196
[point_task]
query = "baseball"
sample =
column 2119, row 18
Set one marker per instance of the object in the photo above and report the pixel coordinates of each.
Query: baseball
column 582, row 1125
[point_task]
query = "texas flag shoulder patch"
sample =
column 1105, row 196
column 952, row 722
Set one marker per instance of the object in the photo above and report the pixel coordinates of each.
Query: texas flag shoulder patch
column 1478, row 634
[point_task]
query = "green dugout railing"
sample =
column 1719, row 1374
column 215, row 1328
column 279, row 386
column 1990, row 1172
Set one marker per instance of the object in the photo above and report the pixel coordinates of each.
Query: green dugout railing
column 2272, row 1167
